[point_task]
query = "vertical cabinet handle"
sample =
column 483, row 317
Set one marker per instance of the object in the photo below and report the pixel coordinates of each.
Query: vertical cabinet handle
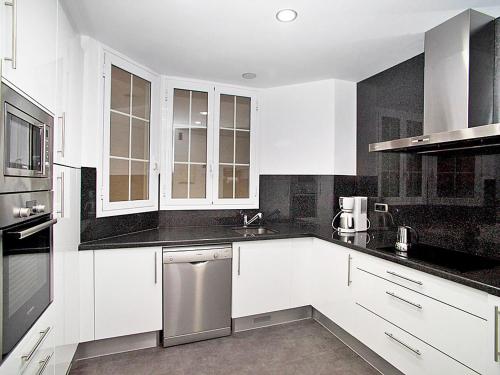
column 349, row 258
column 13, row 58
column 239, row 261
column 156, row 268
column 61, row 204
column 63, row 134
column 497, row 327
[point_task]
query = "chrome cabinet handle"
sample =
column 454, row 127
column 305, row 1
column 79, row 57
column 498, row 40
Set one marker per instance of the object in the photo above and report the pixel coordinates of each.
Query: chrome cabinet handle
column 31, row 231
column 497, row 327
column 13, row 58
column 404, row 299
column 156, row 268
column 391, row 336
column 420, row 140
column 349, row 258
column 61, row 206
column 43, row 335
column 63, row 134
column 239, row 261
column 405, row 278
column 43, row 364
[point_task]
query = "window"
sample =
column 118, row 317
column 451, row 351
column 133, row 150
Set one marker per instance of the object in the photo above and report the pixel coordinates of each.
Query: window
column 128, row 179
column 211, row 161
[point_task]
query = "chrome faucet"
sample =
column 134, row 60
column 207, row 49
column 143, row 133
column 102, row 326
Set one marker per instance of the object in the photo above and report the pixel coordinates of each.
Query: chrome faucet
column 247, row 222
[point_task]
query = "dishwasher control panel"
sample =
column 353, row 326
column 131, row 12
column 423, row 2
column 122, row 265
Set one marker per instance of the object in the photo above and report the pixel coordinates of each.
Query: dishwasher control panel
column 202, row 254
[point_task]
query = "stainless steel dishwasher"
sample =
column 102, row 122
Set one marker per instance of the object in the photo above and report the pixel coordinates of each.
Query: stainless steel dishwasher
column 196, row 293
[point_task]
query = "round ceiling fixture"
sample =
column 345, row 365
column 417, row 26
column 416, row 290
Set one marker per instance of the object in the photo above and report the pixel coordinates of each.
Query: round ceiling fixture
column 249, row 75
column 286, row 15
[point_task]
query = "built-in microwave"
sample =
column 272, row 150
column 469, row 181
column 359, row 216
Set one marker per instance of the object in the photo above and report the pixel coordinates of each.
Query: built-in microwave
column 26, row 140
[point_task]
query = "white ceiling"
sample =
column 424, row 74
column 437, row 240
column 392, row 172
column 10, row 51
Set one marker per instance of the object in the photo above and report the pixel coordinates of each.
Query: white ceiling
column 221, row 39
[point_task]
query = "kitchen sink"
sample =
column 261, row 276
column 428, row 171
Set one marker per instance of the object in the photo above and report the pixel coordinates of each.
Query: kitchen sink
column 253, row 231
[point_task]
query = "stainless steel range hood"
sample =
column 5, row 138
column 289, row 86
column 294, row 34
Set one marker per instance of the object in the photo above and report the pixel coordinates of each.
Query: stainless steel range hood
column 458, row 88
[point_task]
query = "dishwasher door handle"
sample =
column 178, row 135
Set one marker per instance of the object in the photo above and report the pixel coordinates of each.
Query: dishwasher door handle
column 202, row 262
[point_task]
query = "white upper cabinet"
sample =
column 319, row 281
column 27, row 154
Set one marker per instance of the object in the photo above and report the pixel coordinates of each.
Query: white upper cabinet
column 29, row 30
column 68, row 124
column 209, row 149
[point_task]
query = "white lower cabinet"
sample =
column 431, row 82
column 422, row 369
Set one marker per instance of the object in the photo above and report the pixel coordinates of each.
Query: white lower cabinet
column 270, row 275
column 128, row 291
column 493, row 345
column 330, row 271
column 34, row 354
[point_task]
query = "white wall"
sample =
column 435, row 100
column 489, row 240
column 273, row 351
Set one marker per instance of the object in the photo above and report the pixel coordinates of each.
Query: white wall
column 308, row 128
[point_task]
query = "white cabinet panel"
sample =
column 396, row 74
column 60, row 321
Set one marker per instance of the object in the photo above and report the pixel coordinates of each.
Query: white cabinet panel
column 261, row 277
column 35, row 72
column 69, row 96
column 301, row 254
column 66, row 276
column 128, row 291
column 86, row 295
column 493, row 341
column 332, row 291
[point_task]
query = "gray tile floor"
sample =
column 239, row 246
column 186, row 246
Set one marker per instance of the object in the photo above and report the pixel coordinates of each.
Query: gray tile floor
column 296, row 348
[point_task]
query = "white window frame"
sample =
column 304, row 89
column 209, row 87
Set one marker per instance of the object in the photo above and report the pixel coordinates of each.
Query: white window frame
column 212, row 200
column 104, row 206
column 253, row 189
column 168, row 146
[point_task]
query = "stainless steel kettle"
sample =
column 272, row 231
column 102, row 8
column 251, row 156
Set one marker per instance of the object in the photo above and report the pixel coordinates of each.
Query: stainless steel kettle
column 406, row 236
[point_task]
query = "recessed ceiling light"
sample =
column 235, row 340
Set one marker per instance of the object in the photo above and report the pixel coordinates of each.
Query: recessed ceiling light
column 249, row 75
column 286, row 15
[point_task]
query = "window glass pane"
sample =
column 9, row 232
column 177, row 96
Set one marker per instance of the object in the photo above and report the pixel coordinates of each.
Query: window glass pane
column 139, row 189
column 181, row 145
column 181, row 107
column 226, row 111
column 199, row 108
column 198, row 183
column 242, row 147
column 225, row 181
column 119, row 135
column 141, row 93
column 226, row 146
column 120, row 90
column 241, row 182
column 180, row 181
column 140, row 139
column 118, row 180
column 242, row 112
column 198, row 145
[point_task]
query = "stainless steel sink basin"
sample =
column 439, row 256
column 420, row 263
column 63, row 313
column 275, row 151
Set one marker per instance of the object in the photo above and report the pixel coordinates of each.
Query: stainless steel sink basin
column 252, row 231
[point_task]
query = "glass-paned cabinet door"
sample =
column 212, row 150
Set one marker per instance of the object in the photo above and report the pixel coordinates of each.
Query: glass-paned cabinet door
column 127, row 143
column 189, row 131
column 237, row 180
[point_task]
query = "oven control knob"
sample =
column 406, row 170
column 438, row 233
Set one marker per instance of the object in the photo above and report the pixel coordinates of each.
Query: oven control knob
column 22, row 212
column 38, row 209
column 216, row 255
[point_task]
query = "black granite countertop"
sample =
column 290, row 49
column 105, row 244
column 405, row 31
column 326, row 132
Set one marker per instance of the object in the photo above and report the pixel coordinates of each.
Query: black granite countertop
column 371, row 242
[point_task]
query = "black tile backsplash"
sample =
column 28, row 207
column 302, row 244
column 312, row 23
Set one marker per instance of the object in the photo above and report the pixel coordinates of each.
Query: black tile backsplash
column 93, row 228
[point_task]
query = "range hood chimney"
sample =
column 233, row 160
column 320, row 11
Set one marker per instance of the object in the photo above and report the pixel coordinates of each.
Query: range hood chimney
column 458, row 88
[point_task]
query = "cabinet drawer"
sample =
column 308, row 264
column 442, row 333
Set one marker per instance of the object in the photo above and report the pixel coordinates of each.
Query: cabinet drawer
column 35, row 343
column 459, row 334
column 409, row 354
column 460, row 296
column 43, row 361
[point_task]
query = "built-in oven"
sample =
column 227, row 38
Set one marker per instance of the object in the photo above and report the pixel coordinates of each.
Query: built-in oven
column 26, row 140
column 26, row 246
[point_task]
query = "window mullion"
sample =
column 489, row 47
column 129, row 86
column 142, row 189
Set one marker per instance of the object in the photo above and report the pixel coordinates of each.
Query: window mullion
column 189, row 145
column 130, row 140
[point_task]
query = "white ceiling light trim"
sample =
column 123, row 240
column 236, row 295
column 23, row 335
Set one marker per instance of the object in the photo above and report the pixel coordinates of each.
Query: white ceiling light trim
column 286, row 15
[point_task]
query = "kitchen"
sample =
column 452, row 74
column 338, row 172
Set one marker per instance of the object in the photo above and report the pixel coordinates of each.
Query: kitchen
column 243, row 187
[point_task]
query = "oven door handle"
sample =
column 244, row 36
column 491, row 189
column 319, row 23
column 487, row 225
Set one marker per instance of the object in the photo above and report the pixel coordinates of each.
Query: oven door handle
column 30, row 231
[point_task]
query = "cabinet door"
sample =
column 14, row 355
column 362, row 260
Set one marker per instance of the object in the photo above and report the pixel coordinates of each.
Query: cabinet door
column 69, row 93
column 128, row 291
column 261, row 277
column 34, row 50
column 493, row 349
column 331, row 290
